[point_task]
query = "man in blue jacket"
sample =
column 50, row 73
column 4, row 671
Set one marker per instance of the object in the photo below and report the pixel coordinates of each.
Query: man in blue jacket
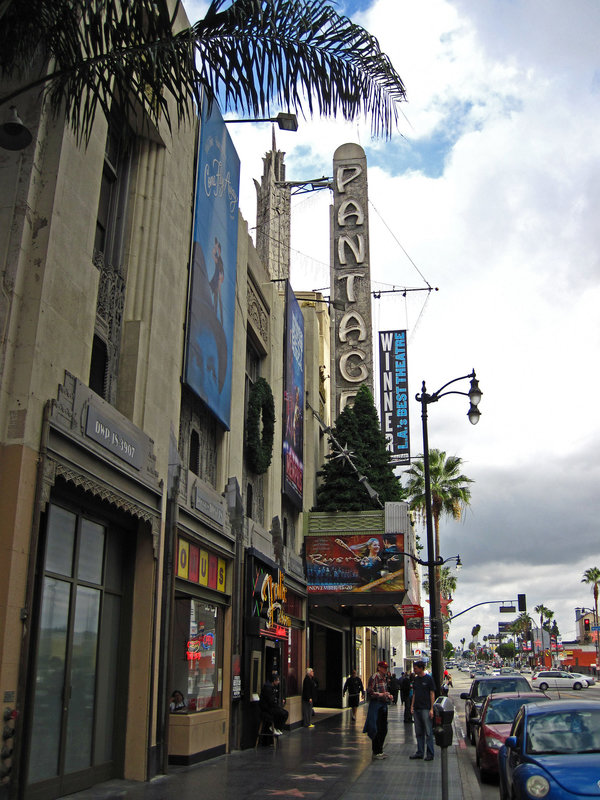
column 422, row 711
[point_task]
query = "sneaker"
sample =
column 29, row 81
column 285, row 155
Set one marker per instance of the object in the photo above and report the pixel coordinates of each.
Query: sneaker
column 416, row 755
column 311, row 725
column 277, row 732
column 428, row 758
column 379, row 756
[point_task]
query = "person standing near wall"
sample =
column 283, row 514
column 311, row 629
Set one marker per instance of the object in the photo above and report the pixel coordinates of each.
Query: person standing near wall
column 308, row 698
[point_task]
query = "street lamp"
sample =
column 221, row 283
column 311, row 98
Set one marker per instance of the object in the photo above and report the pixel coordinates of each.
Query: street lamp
column 437, row 635
column 286, row 122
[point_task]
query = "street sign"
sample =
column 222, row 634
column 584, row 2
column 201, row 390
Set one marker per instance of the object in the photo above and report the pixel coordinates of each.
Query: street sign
column 596, row 627
column 507, row 609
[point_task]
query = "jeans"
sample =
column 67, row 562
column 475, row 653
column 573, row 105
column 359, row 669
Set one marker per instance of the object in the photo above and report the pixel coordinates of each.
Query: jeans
column 382, row 729
column 424, row 731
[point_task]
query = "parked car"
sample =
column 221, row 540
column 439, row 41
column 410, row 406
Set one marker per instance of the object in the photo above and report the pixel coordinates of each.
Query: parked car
column 553, row 751
column 589, row 679
column 481, row 688
column 557, row 679
column 495, row 722
column 526, row 671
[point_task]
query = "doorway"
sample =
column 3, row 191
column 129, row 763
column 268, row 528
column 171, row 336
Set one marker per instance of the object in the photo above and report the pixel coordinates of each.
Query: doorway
column 81, row 656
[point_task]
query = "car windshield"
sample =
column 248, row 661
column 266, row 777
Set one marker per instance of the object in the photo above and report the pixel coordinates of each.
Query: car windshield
column 564, row 732
column 494, row 687
column 505, row 709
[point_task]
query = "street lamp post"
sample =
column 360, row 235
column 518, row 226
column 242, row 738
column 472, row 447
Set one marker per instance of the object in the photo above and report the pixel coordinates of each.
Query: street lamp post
column 437, row 633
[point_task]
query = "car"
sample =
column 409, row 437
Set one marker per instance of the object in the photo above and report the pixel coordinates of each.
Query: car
column 556, row 679
column 526, row 671
column 553, row 752
column 476, row 671
column 481, row 688
column 508, row 671
column 494, row 723
column 589, row 679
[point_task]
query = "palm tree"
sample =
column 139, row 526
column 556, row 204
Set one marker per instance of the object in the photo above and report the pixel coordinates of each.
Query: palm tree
column 447, row 583
column 592, row 575
column 250, row 54
column 450, row 493
column 545, row 614
column 475, row 631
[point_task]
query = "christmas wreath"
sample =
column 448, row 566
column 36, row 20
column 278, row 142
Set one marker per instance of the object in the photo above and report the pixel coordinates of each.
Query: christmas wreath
column 259, row 445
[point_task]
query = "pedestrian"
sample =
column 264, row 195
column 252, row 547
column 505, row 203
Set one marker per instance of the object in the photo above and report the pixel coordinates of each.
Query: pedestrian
column 273, row 713
column 379, row 697
column 422, row 711
column 406, row 695
column 394, row 687
column 308, row 697
column 354, row 687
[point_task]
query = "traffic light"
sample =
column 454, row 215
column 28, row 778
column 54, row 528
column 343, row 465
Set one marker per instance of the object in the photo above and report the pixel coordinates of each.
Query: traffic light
column 586, row 626
column 522, row 602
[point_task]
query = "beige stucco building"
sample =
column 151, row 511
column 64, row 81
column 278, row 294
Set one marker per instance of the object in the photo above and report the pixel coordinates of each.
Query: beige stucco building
column 133, row 532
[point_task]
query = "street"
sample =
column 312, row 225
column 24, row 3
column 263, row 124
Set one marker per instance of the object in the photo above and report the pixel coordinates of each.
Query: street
column 461, row 683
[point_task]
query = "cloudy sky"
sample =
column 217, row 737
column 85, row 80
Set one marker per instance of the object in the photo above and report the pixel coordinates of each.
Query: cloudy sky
column 489, row 192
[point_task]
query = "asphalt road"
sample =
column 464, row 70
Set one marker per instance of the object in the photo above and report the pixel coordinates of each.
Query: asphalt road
column 461, row 683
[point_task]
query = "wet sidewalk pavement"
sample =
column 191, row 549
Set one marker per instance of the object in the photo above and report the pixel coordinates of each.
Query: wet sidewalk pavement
column 332, row 760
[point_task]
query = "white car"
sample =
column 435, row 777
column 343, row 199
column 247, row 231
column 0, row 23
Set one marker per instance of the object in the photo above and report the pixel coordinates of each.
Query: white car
column 589, row 678
column 556, row 679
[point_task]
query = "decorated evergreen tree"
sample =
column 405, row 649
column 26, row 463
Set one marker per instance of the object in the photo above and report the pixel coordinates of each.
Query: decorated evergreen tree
column 358, row 432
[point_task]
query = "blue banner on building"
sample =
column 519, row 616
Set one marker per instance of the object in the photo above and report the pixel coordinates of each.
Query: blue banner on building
column 293, row 410
column 211, row 308
column 393, row 394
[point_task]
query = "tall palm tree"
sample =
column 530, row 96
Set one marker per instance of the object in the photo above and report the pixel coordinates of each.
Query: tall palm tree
column 592, row 576
column 450, row 493
column 249, row 54
column 545, row 614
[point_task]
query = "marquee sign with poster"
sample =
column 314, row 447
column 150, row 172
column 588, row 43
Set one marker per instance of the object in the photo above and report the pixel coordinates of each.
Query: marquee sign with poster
column 355, row 563
column 414, row 623
column 293, row 410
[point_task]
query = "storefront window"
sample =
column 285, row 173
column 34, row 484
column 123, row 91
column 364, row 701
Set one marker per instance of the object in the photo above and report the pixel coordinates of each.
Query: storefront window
column 198, row 656
column 292, row 669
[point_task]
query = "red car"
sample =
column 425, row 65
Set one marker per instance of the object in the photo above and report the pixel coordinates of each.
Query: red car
column 497, row 715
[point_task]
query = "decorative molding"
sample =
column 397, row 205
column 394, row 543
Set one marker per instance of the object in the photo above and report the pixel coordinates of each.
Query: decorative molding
column 258, row 316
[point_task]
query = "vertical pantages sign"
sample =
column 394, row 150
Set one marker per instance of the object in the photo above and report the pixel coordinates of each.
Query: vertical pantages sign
column 352, row 347
column 393, row 394
column 211, row 304
column 293, row 406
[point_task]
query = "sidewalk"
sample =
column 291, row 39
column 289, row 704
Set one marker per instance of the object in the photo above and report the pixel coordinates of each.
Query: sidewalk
column 331, row 760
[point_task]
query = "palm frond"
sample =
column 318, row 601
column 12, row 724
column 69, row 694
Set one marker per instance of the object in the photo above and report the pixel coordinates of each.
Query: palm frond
column 252, row 55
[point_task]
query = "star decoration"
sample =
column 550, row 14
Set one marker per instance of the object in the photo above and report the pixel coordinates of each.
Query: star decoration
column 326, row 766
column 313, row 777
column 287, row 793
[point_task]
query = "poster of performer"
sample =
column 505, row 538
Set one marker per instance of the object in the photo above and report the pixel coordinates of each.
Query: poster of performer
column 355, row 563
column 211, row 306
column 293, row 411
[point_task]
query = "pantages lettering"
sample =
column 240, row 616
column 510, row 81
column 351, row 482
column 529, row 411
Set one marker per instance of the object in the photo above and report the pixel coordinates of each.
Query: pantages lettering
column 351, row 275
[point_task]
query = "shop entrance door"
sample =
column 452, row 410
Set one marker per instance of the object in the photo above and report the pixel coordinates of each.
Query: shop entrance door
column 81, row 657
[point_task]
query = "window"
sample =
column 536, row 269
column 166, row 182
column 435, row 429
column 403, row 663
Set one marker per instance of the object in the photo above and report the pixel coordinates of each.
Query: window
column 99, row 367
column 249, row 493
column 194, row 461
column 198, row 653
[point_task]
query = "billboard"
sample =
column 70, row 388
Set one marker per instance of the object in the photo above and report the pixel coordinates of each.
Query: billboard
column 211, row 304
column 368, row 562
column 293, row 396
column 393, row 394
column 414, row 622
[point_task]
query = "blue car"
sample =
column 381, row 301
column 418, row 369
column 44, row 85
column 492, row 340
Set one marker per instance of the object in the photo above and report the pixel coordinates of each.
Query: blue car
column 553, row 752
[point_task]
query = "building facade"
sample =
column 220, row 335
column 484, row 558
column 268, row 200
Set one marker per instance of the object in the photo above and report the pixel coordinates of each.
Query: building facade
column 145, row 549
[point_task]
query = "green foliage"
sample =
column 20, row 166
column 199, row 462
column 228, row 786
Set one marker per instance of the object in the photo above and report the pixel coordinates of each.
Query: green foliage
column 506, row 650
column 448, row 649
column 259, row 438
column 357, row 430
column 251, row 54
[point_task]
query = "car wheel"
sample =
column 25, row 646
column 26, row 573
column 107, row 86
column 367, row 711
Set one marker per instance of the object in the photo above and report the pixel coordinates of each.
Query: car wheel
column 577, row 685
column 543, row 687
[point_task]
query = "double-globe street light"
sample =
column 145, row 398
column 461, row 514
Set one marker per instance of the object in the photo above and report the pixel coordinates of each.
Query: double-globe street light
column 434, row 561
